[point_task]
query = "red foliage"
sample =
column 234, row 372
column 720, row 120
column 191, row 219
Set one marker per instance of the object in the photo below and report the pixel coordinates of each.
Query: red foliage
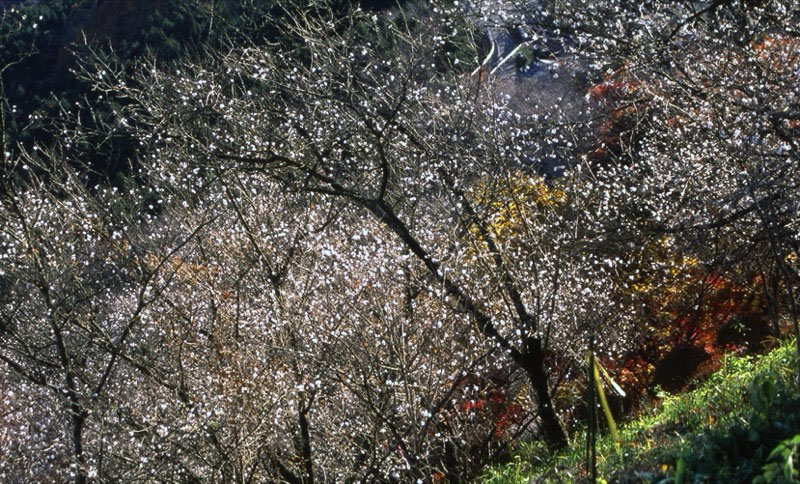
column 616, row 96
column 612, row 91
column 489, row 400
column 689, row 334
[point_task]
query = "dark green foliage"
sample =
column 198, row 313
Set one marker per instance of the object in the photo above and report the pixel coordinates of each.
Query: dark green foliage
column 32, row 35
column 783, row 463
column 738, row 453
column 44, row 41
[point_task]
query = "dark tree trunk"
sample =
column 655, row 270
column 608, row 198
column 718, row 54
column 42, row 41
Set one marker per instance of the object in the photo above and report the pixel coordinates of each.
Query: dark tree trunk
column 78, row 420
column 533, row 363
column 305, row 445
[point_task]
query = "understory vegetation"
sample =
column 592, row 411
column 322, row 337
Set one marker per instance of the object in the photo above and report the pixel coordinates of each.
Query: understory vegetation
column 739, row 425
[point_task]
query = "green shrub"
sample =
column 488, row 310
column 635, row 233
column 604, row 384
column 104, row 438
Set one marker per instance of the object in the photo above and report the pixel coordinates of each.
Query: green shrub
column 783, row 463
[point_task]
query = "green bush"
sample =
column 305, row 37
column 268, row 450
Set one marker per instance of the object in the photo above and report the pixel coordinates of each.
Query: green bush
column 783, row 463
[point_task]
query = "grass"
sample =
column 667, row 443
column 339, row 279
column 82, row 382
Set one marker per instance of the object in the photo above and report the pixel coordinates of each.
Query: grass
column 723, row 431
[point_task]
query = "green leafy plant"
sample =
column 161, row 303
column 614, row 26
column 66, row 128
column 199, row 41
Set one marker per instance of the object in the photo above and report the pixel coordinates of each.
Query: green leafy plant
column 763, row 393
column 783, row 463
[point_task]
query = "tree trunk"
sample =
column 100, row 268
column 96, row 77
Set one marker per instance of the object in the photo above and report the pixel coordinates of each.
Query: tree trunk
column 533, row 363
column 78, row 420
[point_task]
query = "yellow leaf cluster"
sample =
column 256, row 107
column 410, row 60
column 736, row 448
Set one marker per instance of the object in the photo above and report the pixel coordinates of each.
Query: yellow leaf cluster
column 676, row 266
column 516, row 200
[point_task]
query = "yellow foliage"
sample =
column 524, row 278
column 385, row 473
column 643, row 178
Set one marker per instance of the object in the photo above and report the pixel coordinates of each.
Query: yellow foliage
column 671, row 281
column 520, row 198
